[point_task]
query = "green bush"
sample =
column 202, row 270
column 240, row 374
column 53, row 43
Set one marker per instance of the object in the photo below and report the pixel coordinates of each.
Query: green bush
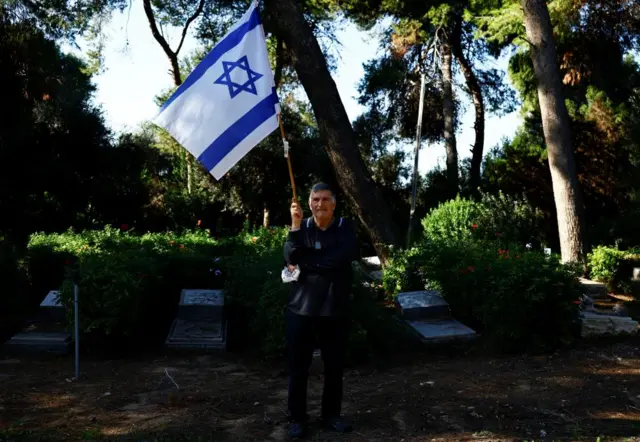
column 255, row 292
column 257, row 297
column 519, row 299
column 509, row 219
column 454, row 220
column 128, row 283
column 613, row 267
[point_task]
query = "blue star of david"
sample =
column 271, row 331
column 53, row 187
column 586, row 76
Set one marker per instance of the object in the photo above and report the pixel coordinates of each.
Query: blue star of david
column 235, row 88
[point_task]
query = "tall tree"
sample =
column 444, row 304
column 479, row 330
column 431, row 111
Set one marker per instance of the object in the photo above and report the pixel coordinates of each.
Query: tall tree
column 448, row 112
column 181, row 15
column 556, row 126
column 335, row 129
column 478, row 103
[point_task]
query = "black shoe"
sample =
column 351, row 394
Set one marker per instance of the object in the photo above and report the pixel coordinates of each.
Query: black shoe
column 338, row 425
column 297, row 430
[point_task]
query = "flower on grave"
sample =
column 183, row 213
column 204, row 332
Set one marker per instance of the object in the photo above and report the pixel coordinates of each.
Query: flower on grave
column 254, row 238
column 474, row 226
column 470, row 268
column 199, row 222
column 124, row 227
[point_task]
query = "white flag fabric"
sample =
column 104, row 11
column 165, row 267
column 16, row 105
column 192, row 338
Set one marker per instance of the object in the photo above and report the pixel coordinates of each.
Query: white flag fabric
column 228, row 104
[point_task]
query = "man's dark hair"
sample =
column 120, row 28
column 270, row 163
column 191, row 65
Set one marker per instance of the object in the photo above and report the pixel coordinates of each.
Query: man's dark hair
column 319, row 187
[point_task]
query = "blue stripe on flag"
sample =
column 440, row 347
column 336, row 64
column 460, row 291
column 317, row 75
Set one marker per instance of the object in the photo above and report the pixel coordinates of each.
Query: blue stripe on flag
column 230, row 42
column 238, row 131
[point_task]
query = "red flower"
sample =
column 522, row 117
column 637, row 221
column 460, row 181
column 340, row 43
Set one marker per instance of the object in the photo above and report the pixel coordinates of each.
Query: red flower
column 577, row 302
column 124, row 227
column 498, row 234
column 474, row 226
column 470, row 268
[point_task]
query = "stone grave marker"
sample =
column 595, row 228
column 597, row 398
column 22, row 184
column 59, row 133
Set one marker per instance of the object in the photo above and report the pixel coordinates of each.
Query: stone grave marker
column 598, row 324
column 429, row 316
column 200, row 323
column 47, row 333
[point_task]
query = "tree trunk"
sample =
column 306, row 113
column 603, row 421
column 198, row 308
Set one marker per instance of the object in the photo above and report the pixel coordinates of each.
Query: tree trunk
column 555, row 124
column 448, row 113
column 173, row 56
column 478, row 104
column 266, row 217
column 335, row 128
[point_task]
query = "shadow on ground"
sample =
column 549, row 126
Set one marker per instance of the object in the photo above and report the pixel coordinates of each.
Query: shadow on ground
column 579, row 394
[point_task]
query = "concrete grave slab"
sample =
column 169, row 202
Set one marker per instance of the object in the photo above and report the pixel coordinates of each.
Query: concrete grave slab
column 58, row 343
column 51, row 308
column 199, row 304
column 423, row 304
column 441, row 330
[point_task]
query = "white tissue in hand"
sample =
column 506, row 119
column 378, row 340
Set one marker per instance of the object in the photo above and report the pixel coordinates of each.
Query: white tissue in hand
column 288, row 276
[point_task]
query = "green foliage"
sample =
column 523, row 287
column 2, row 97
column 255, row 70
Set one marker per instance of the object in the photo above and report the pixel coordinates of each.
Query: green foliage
column 613, row 267
column 453, row 220
column 502, row 217
column 123, row 275
column 130, row 285
column 519, row 299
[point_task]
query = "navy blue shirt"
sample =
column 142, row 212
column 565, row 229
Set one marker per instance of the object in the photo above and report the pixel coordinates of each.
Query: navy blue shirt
column 324, row 258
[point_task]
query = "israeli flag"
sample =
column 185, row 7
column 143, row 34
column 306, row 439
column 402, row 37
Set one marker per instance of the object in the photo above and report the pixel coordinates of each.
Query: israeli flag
column 228, row 104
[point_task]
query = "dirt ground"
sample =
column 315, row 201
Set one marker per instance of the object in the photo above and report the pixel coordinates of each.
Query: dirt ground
column 578, row 394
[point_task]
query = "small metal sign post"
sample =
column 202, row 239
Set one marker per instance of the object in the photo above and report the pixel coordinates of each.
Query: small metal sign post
column 76, row 324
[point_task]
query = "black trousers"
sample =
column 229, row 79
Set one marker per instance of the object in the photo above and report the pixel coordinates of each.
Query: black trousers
column 302, row 333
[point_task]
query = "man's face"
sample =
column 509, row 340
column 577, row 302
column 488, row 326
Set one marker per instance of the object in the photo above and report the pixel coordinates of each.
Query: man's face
column 322, row 204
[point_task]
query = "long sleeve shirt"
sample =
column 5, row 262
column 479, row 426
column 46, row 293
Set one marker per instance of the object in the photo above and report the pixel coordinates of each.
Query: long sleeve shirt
column 324, row 258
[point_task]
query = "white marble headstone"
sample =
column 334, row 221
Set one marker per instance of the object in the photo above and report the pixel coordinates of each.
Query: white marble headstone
column 52, row 299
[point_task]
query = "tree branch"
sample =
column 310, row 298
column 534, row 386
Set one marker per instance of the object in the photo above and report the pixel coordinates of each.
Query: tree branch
column 173, row 56
column 190, row 20
column 154, row 29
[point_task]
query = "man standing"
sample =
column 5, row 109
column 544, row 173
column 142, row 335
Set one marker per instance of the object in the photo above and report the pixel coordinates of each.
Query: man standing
column 323, row 248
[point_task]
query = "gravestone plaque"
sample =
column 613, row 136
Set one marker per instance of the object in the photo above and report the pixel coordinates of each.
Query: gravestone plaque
column 198, row 305
column 636, row 274
column 207, row 335
column 200, row 323
column 47, row 333
column 428, row 316
column 422, row 304
column 51, row 307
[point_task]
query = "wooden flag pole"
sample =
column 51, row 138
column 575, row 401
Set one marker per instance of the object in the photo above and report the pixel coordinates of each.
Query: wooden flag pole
column 288, row 156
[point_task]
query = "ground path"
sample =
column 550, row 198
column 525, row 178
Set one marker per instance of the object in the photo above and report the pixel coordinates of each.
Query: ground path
column 571, row 395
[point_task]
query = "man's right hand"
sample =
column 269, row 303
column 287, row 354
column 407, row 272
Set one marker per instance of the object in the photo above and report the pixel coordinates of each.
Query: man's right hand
column 296, row 215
